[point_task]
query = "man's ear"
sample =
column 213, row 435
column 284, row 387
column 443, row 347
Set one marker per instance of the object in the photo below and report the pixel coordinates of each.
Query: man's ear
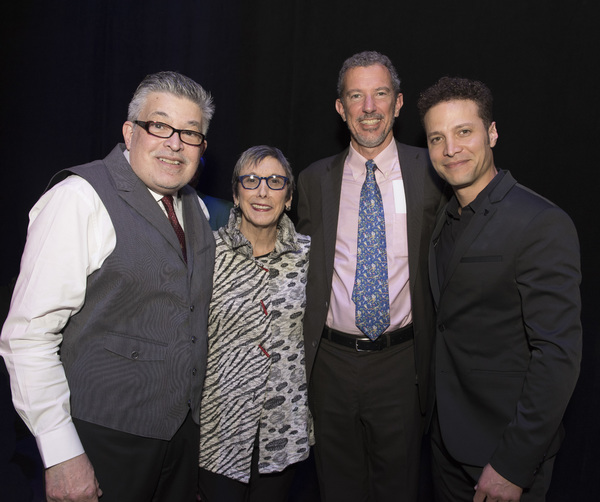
column 493, row 134
column 128, row 133
column 340, row 109
column 398, row 105
column 203, row 148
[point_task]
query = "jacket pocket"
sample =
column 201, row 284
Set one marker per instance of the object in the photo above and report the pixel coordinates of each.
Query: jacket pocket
column 481, row 259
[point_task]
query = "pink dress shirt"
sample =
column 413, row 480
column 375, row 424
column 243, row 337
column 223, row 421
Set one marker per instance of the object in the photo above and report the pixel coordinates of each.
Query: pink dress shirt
column 341, row 312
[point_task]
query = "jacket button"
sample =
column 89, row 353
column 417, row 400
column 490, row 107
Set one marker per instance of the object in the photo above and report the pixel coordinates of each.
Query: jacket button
column 191, row 308
column 442, row 328
column 193, row 339
column 135, row 354
column 194, row 371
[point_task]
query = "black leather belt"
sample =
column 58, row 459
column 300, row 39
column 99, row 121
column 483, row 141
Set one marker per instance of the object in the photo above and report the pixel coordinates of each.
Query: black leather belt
column 363, row 343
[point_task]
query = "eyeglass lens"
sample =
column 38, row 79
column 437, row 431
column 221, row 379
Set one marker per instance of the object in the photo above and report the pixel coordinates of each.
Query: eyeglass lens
column 162, row 130
column 274, row 182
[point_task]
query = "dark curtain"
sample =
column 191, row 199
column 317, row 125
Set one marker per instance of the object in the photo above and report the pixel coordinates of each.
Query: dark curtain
column 69, row 69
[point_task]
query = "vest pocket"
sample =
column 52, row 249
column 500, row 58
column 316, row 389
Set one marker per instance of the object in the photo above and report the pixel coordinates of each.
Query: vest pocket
column 135, row 349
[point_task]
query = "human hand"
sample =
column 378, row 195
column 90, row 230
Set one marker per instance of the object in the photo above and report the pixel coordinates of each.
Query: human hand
column 492, row 487
column 72, row 481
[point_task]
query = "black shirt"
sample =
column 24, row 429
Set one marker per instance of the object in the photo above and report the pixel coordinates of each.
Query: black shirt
column 456, row 223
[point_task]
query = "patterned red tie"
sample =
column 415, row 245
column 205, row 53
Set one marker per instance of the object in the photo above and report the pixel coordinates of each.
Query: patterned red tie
column 167, row 200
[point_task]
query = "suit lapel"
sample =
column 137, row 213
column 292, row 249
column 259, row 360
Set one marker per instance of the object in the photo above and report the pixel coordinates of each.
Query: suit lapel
column 331, row 187
column 484, row 214
column 462, row 245
column 433, row 273
column 413, row 181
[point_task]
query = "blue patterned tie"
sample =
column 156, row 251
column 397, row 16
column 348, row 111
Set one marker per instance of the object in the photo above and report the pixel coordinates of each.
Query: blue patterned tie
column 370, row 293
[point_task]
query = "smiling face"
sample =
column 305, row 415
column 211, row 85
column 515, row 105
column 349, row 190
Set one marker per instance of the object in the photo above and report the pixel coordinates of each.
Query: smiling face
column 460, row 147
column 369, row 107
column 261, row 207
column 164, row 164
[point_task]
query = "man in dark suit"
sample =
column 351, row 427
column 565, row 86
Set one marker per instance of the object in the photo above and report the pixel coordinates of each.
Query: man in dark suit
column 367, row 391
column 505, row 277
column 105, row 340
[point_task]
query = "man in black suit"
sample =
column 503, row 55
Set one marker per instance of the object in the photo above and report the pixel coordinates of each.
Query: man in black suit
column 367, row 395
column 505, row 274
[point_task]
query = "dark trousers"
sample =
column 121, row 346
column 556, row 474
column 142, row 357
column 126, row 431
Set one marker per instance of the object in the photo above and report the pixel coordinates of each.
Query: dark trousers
column 274, row 487
column 455, row 482
column 368, row 425
column 131, row 468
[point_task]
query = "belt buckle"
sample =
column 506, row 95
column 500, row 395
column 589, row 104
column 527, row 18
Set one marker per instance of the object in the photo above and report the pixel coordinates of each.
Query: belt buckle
column 364, row 350
column 376, row 343
column 356, row 346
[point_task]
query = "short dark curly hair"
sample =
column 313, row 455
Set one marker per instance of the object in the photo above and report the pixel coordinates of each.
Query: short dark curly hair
column 456, row 88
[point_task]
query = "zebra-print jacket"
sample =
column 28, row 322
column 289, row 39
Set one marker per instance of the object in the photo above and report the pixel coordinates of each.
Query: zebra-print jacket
column 255, row 386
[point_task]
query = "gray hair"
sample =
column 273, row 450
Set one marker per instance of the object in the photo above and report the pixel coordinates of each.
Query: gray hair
column 176, row 84
column 368, row 58
column 254, row 156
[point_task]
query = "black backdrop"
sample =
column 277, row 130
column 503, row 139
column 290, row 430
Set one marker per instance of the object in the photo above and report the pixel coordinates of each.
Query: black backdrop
column 69, row 69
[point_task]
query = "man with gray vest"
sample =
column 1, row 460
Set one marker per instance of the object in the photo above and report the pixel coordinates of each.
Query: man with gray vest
column 105, row 341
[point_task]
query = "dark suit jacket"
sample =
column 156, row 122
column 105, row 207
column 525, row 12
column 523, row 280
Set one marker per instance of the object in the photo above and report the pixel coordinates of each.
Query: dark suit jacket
column 319, row 188
column 508, row 341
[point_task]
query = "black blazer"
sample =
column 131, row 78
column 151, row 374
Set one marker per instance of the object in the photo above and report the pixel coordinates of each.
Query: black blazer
column 319, row 188
column 508, row 341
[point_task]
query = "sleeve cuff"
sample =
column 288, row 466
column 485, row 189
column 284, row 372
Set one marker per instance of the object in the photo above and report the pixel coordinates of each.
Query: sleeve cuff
column 59, row 445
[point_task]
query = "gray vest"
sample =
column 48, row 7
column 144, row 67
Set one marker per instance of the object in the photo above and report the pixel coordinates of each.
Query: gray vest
column 135, row 355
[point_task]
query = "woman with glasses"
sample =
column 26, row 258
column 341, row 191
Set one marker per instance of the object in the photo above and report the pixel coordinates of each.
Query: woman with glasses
column 254, row 422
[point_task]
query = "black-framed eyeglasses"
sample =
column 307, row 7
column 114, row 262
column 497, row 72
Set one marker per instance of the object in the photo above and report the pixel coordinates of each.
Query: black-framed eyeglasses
column 252, row 182
column 162, row 130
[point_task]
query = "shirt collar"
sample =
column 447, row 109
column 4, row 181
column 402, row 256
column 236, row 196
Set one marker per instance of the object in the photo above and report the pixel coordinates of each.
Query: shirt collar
column 452, row 208
column 386, row 161
column 484, row 194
